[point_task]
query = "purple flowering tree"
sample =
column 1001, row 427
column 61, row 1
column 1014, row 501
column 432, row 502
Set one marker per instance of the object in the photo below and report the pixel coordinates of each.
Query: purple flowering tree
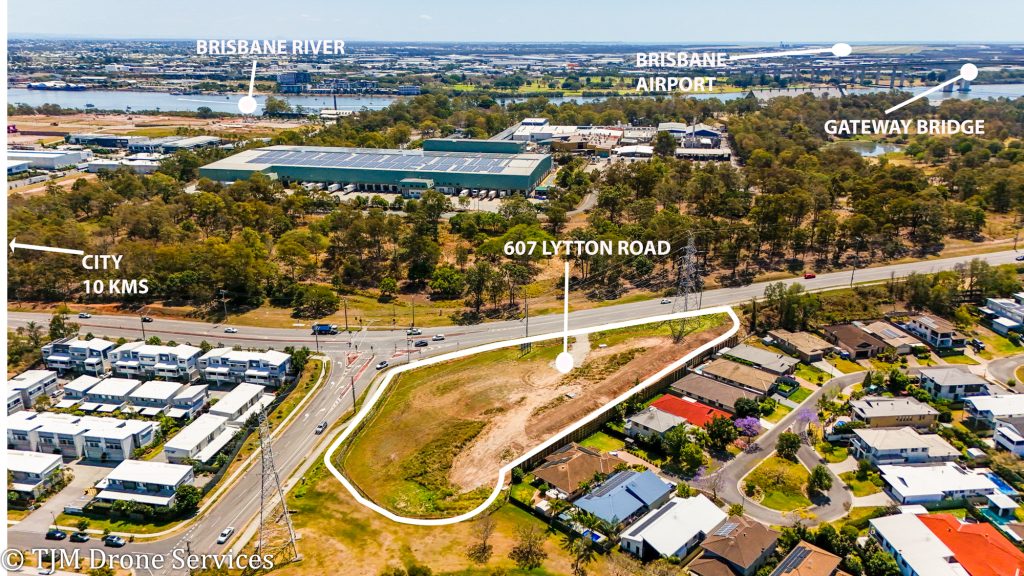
column 748, row 426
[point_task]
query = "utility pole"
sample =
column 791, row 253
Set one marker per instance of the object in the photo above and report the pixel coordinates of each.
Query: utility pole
column 856, row 259
column 686, row 288
column 143, row 324
column 352, row 381
column 413, row 325
column 224, row 301
column 316, row 335
column 275, row 524
column 345, row 300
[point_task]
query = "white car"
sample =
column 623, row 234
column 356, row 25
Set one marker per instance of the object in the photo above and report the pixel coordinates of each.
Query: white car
column 438, row 337
column 225, row 534
column 84, row 315
column 231, row 330
column 666, row 300
column 382, row 364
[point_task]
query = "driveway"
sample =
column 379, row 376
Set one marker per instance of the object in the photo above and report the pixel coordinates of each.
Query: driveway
column 86, row 476
column 827, row 508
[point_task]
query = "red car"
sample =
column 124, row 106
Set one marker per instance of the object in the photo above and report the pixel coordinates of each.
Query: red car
column 809, row 275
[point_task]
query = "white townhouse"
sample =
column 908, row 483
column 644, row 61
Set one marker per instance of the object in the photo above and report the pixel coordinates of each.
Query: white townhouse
column 14, row 403
column 154, row 397
column 1009, row 435
column 108, row 442
column 74, row 391
column 200, row 440
column 73, row 354
column 241, row 403
column 189, row 401
column 109, row 395
column 983, row 411
column 229, row 366
column 78, row 436
column 145, row 482
column 953, row 383
column 32, row 384
column 138, row 359
column 32, row 472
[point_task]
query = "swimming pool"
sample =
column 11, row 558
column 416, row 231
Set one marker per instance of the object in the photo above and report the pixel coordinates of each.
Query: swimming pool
column 1001, row 484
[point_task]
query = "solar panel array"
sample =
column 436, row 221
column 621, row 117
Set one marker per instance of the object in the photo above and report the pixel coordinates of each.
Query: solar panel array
column 371, row 160
column 792, row 561
column 726, row 529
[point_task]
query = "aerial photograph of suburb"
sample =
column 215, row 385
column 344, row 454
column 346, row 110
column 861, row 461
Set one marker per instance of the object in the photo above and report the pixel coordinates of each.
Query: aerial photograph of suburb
column 533, row 288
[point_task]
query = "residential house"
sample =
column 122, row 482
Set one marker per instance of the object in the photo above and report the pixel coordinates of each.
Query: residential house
column 935, row 482
column 860, row 345
column 112, row 440
column 711, row 392
column 201, row 440
column 740, row 545
column 887, row 412
column 32, row 473
column 673, row 529
column 953, row 383
column 109, row 395
column 1006, row 314
column 741, row 376
column 983, row 411
column 936, row 332
column 900, row 446
column 689, row 409
column 72, row 354
column 74, row 391
column 806, row 346
column 189, row 402
column 242, row 402
column 32, row 384
column 573, row 466
column 808, row 560
column 893, row 337
column 150, row 361
column 760, row 358
column 14, row 403
column 145, row 482
column 652, row 422
column 1009, row 434
column 154, row 397
column 100, row 438
column 229, row 366
column 626, row 495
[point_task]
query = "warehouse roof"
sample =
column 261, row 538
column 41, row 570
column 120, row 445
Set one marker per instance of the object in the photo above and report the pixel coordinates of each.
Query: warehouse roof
column 262, row 159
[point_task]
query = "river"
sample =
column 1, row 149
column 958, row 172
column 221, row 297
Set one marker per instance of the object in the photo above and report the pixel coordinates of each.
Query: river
column 164, row 102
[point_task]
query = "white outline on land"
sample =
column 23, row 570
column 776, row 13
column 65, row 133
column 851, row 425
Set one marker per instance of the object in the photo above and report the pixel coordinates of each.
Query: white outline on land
column 506, row 469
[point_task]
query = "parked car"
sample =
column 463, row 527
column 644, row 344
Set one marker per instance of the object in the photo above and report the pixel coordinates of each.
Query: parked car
column 666, row 300
column 231, row 330
column 225, row 534
column 147, row 319
column 382, row 364
column 413, row 332
column 84, row 315
column 1020, row 258
column 977, row 344
column 113, row 541
column 438, row 337
column 79, row 537
column 421, row 343
column 809, row 275
column 56, row 534
column 321, row 427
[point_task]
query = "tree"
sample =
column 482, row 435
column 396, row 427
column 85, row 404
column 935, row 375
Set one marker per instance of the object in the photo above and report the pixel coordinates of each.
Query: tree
column 82, row 524
column 691, row 457
column 579, row 546
column 665, row 144
column 721, row 432
column 749, row 426
column 388, row 287
column 59, row 325
column 315, row 301
column 820, row 479
column 275, row 106
column 481, row 550
column 747, row 407
column 186, row 499
column 788, row 445
column 736, row 510
column 528, row 551
column 447, row 282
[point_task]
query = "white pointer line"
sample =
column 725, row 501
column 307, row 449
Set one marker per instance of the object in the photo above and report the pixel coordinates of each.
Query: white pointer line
column 15, row 244
column 785, row 53
column 935, row 88
column 252, row 78
column 565, row 312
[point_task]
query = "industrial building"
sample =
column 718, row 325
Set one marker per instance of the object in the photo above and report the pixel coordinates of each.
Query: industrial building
column 166, row 144
column 48, row 159
column 386, row 170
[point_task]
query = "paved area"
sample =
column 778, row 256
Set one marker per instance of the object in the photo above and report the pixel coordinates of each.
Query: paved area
column 86, row 476
column 828, row 368
column 879, row 499
column 848, row 465
column 1002, row 369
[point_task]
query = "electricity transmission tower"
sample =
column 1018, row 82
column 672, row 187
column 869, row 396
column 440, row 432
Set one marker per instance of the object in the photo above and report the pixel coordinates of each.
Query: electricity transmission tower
column 276, row 534
column 688, row 290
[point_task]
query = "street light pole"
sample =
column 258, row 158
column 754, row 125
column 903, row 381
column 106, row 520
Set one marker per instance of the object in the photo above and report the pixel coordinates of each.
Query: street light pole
column 413, row 325
column 345, row 300
column 143, row 324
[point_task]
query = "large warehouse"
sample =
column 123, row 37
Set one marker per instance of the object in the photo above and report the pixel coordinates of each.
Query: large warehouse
column 387, row 170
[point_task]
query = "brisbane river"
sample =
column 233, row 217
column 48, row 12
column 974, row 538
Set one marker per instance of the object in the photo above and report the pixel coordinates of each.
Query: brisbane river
column 164, row 102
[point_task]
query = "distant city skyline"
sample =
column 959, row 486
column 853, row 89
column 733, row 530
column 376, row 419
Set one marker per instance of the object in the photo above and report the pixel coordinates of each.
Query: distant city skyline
column 599, row 21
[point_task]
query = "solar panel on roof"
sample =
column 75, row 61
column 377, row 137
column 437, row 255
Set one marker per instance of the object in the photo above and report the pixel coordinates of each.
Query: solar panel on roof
column 726, row 529
column 793, row 560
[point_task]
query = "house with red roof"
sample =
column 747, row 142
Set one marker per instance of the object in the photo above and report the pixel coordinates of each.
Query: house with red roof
column 979, row 548
column 693, row 411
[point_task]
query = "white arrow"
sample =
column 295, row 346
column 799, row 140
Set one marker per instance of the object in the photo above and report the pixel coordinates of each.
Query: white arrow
column 15, row 244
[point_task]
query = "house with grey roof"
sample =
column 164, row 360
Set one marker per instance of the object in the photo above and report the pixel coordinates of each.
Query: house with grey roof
column 652, row 422
column 953, row 383
column 760, row 358
column 625, row 496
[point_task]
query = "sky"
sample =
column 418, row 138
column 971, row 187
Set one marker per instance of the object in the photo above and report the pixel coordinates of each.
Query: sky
column 633, row 21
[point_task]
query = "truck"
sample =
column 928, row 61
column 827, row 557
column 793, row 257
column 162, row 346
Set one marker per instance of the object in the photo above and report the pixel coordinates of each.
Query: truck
column 325, row 328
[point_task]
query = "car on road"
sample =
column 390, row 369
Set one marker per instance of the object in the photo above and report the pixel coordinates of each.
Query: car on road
column 666, row 300
column 413, row 332
column 113, row 541
column 84, row 315
column 421, row 343
column 230, row 330
column 382, row 364
column 147, row 319
column 1020, row 258
column 809, row 275
column 225, row 534
column 79, row 537
column 438, row 337
column 321, row 427
column 56, row 534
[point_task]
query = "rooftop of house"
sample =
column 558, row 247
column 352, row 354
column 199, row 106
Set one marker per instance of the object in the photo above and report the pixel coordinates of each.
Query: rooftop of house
column 854, row 337
column 657, row 420
column 807, row 560
column 952, row 376
column 740, row 374
column 740, row 540
column 714, row 391
column 878, row 406
column 759, row 356
column 693, row 411
column 670, row 527
column 935, row 479
column 803, row 341
column 978, row 547
column 572, row 465
column 623, row 495
column 904, row 438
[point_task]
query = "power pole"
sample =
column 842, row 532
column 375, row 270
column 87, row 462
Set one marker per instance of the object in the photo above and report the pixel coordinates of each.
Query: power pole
column 276, row 535
column 345, row 300
column 143, row 324
column 687, row 288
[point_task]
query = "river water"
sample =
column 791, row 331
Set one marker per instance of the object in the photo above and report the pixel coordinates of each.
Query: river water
column 138, row 101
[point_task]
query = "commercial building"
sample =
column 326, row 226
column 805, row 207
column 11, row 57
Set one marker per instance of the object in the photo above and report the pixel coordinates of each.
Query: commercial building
column 808, row 560
column 242, row 402
column 48, row 159
column 652, row 422
column 229, row 366
column 78, row 356
column 806, row 346
column 473, row 145
column 901, row 342
column 953, row 383
column 921, row 484
column 673, row 529
column 189, row 402
column 200, row 440
column 900, row 446
column 860, row 345
column 625, row 496
column 103, row 140
column 983, row 411
column 711, row 392
column 764, row 359
column 739, row 546
column 573, row 465
column 936, row 332
column 136, row 165
column 32, row 473
column 145, row 482
column 885, row 412
column 17, row 166
column 138, row 359
column 740, row 375
column 32, row 384
column 384, row 170
column 109, row 395
column 154, row 397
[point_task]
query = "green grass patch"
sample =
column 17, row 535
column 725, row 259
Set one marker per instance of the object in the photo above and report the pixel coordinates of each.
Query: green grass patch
column 860, row 517
column 881, row 366
column 800, row 395
column 98, row 522
column 845, row 366
column 831, row 453
column 860, row 487
column 997, row 346
column 603, row 442
column 523, row 492
column 811, row 374
column 779, row 413
column 619, row 335
column 960, row 359
column 780, row 482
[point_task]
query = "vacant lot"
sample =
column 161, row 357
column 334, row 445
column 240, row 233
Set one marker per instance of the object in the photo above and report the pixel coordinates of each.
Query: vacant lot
column 435, row 445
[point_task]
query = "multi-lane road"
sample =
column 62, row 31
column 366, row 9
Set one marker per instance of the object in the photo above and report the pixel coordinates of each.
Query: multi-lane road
column 352, row 357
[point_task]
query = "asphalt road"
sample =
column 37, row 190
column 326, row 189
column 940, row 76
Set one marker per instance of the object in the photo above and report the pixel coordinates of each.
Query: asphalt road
column 298, row 444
